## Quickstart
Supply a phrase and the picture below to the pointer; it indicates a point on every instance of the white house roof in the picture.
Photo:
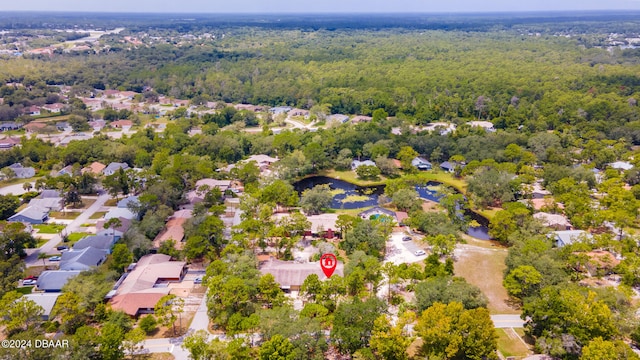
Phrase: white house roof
(568, 237)
(552, 219)
(621, 165)
(119, 213)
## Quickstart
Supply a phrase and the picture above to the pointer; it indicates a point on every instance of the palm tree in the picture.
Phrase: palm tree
(43, 256)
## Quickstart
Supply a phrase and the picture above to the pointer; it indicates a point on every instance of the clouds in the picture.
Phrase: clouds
(297, 6)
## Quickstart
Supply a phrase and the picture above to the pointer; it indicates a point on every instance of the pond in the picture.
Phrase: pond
(351, 196)
(346, 195)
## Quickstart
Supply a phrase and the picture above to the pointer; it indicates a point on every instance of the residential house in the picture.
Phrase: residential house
(254, 108)
(125, 224)
(338, 118)
(139, 292)
(83, 259)
(63, 126)
(32, 110)
(120, 213)
(102, 243)
(376, 212)
(22, 172)
(291, 275)
(31, 215)
(448, 166)
(621, 165)
(554, 221)
(97, 125)
(54, 280)
(95, 168)
(568, 237)
(486, 125)
(54, 108)
(421, 163)
(113, 167)
(9, 142)
(174, 229)
(112, 233)
(34, 126)
(320, 225)
(49, 204)
(5, 126)
(196, 195)
(299, 112)
(67, 170)
(360, 119)
(45, 300)
(280, 110)
(121, 124)
(49, 194)
(124, 203)
(357, 163)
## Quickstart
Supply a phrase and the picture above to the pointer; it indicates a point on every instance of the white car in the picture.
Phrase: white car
(419, 253)
(29, 282)
(55, 258)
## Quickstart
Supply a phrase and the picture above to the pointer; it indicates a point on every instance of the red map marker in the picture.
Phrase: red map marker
(328, 263)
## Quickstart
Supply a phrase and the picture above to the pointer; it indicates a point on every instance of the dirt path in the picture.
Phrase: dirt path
(484, 267)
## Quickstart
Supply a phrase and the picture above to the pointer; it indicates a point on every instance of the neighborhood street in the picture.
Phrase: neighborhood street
(49, 246)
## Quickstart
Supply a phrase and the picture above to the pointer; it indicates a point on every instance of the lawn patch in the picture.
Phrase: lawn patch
(73, 237)
(352, 177)
(111, 202)
(509, 344)
(67, 215)
(97, 215)
(25, 290)
(49, 228)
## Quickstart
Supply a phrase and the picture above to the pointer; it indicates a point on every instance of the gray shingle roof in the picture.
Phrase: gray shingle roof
(114, 166)
(54, 280)
(102, 242)
(81, 259)
(31, 212)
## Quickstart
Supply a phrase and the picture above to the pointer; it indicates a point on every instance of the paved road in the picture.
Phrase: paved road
(507, 321)
(49, 246)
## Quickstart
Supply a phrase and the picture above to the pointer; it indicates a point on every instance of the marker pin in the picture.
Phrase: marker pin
(328, 263)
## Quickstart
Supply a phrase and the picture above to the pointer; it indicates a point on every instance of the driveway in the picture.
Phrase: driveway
(16, 189)
(50, 246)
(402, 251)
(507, 321)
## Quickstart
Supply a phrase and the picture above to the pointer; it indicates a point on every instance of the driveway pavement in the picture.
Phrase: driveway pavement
(507, 321)
(16, 189)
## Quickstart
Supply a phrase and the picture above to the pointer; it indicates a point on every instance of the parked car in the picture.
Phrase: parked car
(407, 238)
(32, 277)
(198, 280)
(29, 282)
(62, 248)
(419, 253)
(55, 258)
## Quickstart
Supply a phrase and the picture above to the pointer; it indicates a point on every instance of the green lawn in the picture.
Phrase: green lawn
(97, 215)
(49, 228)
(68, 215)
(25, 290)
(73, 237)
(41, 242)
(510, 345)
(352, 177)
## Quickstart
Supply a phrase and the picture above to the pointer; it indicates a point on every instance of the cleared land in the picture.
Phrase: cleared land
(484, 268)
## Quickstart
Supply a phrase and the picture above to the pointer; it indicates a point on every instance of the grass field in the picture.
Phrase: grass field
(73, 237)
(484, 267)
(49, 228)
(352, 177)
(509, 344)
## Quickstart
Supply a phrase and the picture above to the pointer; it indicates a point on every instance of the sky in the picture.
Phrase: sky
(316, 6)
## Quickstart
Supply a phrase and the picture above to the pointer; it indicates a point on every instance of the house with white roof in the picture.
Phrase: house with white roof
(568, 237)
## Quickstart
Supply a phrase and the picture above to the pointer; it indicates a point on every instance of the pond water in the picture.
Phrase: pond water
(346, 195)
(351, 196)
